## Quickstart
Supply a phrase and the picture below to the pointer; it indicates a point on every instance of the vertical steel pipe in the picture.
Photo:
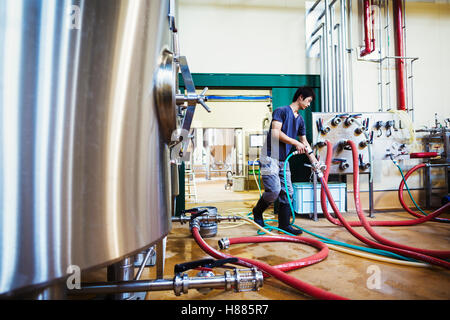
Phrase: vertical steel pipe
(340, 68)
(388, 72)
(332, 54)
(322, 68)
(343, 29)
(327, 59)
(121, 271)
(349, 23)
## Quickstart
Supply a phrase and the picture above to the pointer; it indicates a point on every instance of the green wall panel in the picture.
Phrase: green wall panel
(283, 88)
(238, 80)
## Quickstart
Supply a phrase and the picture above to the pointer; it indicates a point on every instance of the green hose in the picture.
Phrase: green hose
(407, 188)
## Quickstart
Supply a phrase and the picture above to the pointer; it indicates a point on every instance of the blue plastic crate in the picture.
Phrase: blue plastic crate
(303, 197)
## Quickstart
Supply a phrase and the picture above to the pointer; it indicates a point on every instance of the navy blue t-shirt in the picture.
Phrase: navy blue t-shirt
(291, 126)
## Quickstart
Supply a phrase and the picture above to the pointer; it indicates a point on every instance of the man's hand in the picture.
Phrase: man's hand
(301, 148)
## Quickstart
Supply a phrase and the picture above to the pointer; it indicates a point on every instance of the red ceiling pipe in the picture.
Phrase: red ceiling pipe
(400, 52)
(369, 39)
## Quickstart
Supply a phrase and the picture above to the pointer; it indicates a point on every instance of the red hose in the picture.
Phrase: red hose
(372, 223)
(402, 202)
(408, 253)
(321, 255)
(370, 230)
(423, 155)
(280, 275)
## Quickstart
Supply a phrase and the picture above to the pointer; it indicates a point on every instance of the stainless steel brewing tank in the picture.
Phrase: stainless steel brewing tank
(84, 171)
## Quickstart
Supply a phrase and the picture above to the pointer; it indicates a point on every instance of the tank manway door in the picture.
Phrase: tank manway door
(164, 94)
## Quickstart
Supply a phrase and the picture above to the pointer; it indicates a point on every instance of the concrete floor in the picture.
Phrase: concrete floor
(340, 273)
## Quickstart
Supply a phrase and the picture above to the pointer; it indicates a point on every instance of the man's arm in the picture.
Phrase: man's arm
(281, 136)
(317, 166)
(309, 153)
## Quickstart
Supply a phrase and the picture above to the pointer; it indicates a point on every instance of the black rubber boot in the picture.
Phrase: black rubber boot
(258, 211)
(284, 218)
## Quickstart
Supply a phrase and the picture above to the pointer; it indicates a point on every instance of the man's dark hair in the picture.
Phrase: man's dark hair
(305, 92)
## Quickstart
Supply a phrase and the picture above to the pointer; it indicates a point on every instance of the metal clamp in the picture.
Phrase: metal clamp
(244, 280)
(241, 280)
(180, 284)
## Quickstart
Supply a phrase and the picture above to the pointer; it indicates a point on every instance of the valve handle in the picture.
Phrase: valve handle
(202, 102)
(207, 263)
(204, 91)
(181, 267)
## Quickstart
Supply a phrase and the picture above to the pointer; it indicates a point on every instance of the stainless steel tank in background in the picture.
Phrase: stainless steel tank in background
(84, 166)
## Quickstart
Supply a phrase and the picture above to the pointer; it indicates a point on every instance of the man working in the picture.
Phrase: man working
(286, 125)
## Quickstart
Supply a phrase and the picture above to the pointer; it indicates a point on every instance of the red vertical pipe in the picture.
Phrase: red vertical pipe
(369, 40)
(399, 51)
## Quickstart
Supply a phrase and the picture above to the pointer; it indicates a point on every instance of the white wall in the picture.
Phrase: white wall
(268, 36)
(224, 36)
(428, 35)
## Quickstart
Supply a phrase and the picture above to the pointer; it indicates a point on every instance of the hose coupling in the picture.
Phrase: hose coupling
(224, 243)
(194, 223)
(349, 121)
(343, 144)
(335, 121)
(320, 144)
(240, 280)
(359, 130)
(325, 130)
(344, 165)
(244, 280)
(364, 166)
(319, 167)
(364, 143)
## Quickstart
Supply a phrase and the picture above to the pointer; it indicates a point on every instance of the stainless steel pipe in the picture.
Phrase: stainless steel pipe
(240, 280)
